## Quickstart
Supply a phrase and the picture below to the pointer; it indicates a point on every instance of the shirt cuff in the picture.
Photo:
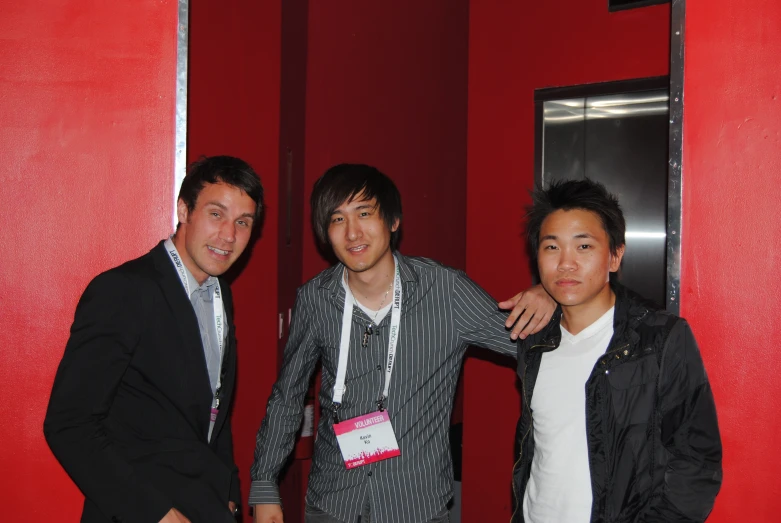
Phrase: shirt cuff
(264, 493)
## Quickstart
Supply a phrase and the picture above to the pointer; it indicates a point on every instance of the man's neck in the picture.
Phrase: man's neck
(370, 286)
(575, 318)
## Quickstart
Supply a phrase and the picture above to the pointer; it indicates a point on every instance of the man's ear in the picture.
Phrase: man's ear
(615, 259)
(396, 225)
(181, 211)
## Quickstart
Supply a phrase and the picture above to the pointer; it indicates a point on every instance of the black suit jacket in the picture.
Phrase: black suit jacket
(129, 412)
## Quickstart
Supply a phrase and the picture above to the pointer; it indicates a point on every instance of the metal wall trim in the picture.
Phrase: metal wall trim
(675, 168)
(180, 137)
(633, 85)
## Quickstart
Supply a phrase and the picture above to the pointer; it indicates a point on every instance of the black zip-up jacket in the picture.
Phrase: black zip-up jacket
(653, 438)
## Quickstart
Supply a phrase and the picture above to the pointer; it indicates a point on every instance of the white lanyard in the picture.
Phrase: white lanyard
(344, 347)
(217, 307)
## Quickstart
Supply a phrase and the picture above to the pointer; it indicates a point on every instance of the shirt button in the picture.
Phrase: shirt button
(379, 367)
(369, 473)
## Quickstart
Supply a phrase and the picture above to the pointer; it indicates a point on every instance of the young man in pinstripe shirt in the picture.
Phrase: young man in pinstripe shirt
(413, 320)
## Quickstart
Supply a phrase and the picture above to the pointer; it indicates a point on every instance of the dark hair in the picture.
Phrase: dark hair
(226, 169)
(343, 183)
(567, 195)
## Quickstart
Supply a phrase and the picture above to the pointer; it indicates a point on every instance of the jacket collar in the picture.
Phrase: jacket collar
(630, 309)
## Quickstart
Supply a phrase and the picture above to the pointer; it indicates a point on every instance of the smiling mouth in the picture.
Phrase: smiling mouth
(218, 251)
(359, 248)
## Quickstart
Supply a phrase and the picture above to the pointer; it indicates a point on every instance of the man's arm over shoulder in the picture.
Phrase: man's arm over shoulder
(689, 433)
(105, 332)
(478, 318)
(482, 323)
(285, 408)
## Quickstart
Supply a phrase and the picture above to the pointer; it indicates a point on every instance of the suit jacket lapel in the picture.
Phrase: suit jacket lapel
(187, 323)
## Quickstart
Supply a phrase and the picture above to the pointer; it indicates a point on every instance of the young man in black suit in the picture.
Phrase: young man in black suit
(138, 414)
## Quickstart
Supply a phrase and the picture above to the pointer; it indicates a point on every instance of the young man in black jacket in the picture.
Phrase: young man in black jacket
(618, 421)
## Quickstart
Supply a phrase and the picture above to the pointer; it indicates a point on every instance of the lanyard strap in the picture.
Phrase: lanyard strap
(344, 346)
(219, 311)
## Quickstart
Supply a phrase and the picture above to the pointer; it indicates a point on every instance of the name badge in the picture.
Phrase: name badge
(366, 439)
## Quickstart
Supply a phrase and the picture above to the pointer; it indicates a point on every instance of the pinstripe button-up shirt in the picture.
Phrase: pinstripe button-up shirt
(442, 313)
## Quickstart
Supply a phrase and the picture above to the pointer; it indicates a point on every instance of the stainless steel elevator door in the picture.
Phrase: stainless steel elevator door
(620, 140)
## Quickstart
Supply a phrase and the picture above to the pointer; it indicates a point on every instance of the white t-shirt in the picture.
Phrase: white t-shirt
(559, 489)
(375, 316)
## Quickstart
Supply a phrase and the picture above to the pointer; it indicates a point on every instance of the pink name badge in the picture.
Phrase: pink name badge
(366, 439)
(213, 416)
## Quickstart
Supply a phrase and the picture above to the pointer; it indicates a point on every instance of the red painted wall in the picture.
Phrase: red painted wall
(292, 121)
(732, 220)
(515, 48)
(386, 85)
(234, 109)
(86, 148)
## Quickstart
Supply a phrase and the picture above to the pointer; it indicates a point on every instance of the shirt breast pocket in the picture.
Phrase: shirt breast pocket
(633, 390)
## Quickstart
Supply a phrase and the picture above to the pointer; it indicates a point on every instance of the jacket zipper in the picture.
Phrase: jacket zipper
(523, 438)
(608, 475)
(616, 350)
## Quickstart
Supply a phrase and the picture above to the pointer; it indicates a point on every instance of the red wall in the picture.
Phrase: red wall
(732, 221)
(234, 109)
(386, 85)
(86, 142)
(515, 48)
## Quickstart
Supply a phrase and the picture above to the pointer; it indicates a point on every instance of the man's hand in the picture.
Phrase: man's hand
(531, 311)
(268, 514)
(232, 507)
(174, 516)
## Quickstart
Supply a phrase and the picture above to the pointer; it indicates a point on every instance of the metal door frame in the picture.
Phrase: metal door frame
(675, 160)
(180, 124)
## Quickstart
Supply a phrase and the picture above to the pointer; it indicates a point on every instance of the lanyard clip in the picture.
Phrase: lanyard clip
(336, 414)
(381, 404)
